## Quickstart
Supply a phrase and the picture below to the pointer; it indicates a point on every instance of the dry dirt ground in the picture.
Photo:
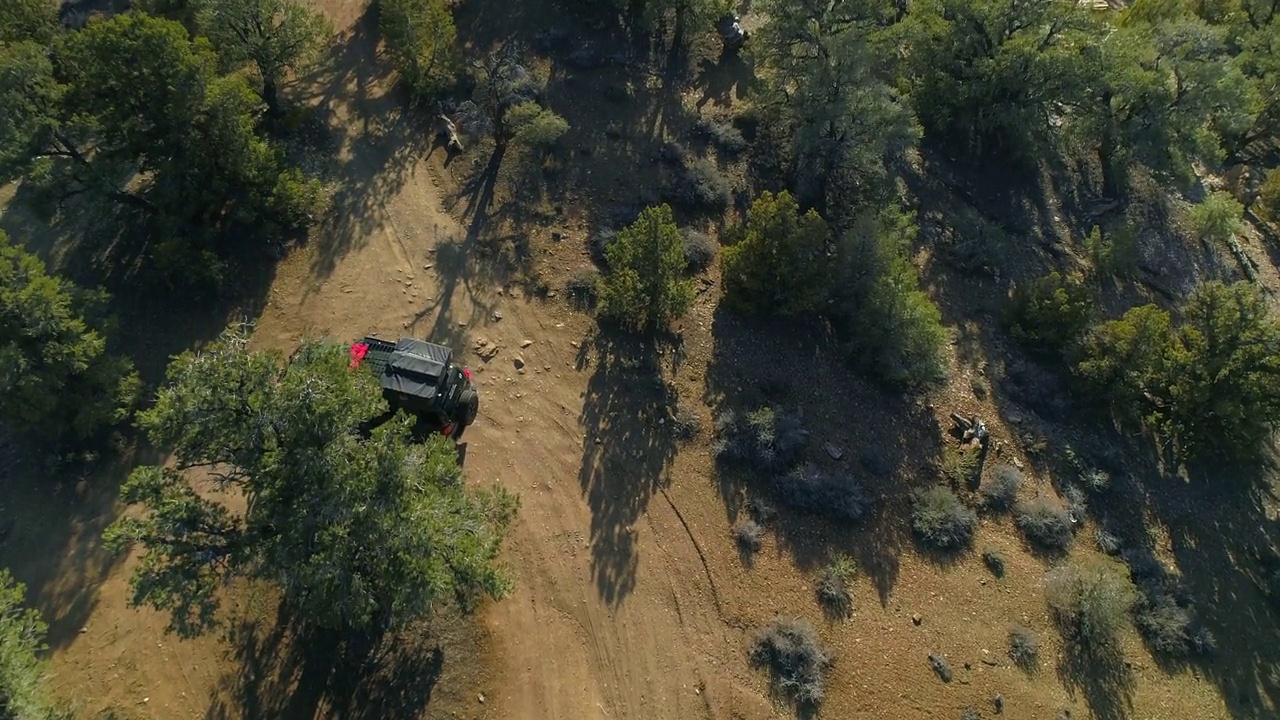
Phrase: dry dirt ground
(632, 600)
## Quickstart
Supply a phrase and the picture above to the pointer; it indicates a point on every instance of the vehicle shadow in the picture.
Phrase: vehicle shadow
(628, 445)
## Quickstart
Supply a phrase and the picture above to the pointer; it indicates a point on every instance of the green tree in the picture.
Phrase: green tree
(645, 285)
(422, 42)
(59, 381)
(1218, 219)
(1269, 196)
(994, 76)
(133, 110)
(826, 89)
(1210, 383)
(1051, 313)
(1165, 94)
(22, 632)
(362, 531)
(23, 20)
(505, 104)
(893, 329)
(779, 262)
(277, 36)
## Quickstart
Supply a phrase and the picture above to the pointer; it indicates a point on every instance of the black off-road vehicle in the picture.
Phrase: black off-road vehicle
(422, 379)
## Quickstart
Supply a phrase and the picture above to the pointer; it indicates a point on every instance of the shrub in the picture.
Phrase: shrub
(749, 535)
(421, 41)
(699, 251)
(1051, 313)
(1045, 523)
(1164, 625)
(1113, 250)
(994, 560)
(1218, 219)
(697, 185)
(22, 691)
(809, 488)
(1269, 196)
(764, 439)
(583, 288)
(960, 465)
(685, 423)
(796, 660)
(892, 328)
(761, 510)
(940, 519)
(645, 286)
(1002, 490)
(1024, 648)
(1090, 603)
(833, 586)
(534, 126)
(725, 137)
(779, 262)
(1107, 542)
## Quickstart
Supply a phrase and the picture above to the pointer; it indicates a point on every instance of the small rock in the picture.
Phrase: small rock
(428, 266)
(998, 702)
(940, 666)
(1018, 463)
(967, 666)
(480, 697)
(525, 343)
(916, 619)
(519, 362)
(835, 452)
(556, 235)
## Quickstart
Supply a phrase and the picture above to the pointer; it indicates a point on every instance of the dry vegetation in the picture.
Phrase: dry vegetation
(705, 443)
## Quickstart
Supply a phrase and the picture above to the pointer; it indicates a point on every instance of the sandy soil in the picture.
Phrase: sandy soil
(632, 600)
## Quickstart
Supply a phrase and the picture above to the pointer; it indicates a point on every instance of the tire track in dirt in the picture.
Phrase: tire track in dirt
(563, 651)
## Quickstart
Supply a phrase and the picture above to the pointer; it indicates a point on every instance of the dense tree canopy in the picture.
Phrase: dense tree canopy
(362, 531)
(422, 42)
(133, 110)
(58, 381)
(1209, 382)
(994, 75)
(824, 83)
(275, 35)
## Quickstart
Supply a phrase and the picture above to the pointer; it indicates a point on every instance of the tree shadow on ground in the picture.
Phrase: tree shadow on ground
(628, 446)
(1222, 560)
(51, 536)
(619, 89)
(287, 672)
(380, 138)
(1102, 676)
(799, 369)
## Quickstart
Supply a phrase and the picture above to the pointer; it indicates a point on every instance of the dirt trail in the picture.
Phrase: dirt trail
(606, 622)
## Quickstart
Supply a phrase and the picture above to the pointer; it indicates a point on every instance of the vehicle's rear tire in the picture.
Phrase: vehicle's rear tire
(469, 406)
